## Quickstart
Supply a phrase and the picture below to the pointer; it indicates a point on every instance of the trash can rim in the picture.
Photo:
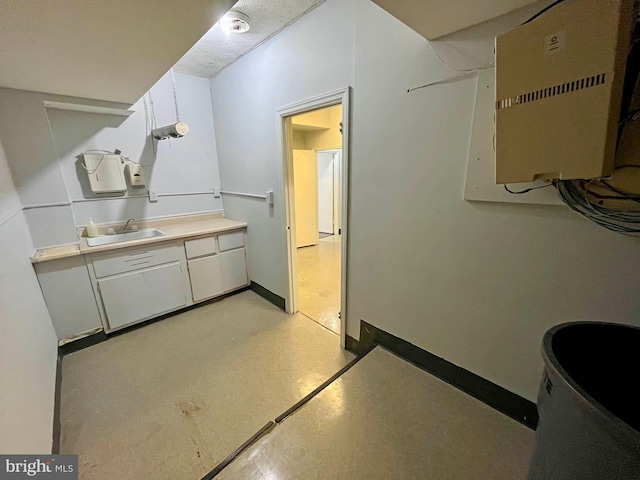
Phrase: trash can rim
(620, 427)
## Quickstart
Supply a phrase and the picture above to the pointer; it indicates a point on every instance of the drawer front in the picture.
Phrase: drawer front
(133, 259)
(229, 241)
(200, 247)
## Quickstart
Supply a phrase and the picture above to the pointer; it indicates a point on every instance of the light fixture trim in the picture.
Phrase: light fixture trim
(235, 22)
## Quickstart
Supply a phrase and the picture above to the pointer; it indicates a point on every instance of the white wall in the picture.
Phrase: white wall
(42, 146)
(477, 284)
(28, 344)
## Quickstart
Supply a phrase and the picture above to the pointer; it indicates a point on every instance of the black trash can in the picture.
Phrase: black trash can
(589, 404)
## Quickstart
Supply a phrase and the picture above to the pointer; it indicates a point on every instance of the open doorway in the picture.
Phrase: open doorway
(315, 170)
(317, 143)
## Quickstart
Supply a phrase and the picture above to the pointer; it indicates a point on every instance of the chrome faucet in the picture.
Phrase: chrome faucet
(125, 228)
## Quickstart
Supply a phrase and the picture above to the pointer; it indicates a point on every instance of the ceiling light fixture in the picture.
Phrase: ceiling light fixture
(234, 22)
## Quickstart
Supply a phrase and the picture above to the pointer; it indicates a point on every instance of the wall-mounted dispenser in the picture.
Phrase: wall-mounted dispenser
(136, 175)
(105, 172)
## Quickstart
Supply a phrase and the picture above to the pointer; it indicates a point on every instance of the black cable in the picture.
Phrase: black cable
(527, 190)
(548, 7)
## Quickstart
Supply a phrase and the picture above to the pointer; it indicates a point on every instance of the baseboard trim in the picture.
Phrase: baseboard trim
(352, 345)
(57, 425)
(268, 295)
(101, 336)
(501, 399)
(82, 343)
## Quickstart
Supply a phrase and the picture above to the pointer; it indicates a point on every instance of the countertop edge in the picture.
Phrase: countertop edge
(76, 249)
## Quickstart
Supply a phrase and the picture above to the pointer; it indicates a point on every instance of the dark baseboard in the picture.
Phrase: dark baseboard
(268, 295)
(352, 345)
(101, 336)
(57, 426)
(82, 343)
(509, 403)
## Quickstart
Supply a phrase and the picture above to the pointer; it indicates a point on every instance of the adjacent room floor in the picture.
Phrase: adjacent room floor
(174, 398)
(387, 419)
(319, 282)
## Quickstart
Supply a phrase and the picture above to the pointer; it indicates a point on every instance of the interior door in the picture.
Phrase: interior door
(305, 186)
(337, 192)
(325, 192)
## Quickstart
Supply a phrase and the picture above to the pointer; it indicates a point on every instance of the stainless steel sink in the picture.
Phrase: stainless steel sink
(124, 237)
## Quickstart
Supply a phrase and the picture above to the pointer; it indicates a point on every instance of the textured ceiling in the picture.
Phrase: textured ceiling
(216, 50)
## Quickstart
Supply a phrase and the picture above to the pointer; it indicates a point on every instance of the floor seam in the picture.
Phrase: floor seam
(272, 424)
(315, 321)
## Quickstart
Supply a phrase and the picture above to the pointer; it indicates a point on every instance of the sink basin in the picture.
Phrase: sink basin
(124, 237)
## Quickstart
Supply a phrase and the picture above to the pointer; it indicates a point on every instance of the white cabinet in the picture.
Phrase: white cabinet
(229, 241)
(206, 277)
(124, 299)
(164, 288)
(70, 300)
(217, 264)
(136, 284)
(135, 296)
(234, 269)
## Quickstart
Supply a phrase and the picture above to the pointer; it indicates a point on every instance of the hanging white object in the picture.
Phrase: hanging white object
(105, 172)
(176, 130)
(136, 175)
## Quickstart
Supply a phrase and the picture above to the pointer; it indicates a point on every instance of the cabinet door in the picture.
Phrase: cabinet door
(206, 277)
(234, 269)
(125, 299)
(164, 288)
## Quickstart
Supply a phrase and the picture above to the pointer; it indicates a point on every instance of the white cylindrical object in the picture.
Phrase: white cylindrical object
(176, 130)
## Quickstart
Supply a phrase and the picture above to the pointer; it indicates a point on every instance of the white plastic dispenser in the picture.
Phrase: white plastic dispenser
(136, 175)
(92, 229)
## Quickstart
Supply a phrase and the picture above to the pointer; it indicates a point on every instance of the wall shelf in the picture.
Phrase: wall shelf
(79, 107)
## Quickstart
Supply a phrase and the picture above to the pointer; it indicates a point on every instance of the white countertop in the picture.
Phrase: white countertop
(173, 228)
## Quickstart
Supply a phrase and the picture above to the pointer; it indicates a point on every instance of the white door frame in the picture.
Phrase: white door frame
(285, 139)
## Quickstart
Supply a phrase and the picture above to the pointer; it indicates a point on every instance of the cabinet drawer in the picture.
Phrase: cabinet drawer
(200, 247)
(229, 241)
(133, 259)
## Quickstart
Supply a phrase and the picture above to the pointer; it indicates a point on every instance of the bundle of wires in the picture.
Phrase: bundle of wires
(624, 222)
